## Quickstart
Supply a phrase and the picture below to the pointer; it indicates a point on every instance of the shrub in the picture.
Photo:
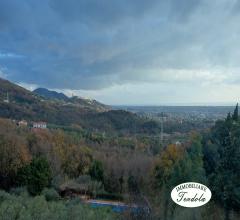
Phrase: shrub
(4, 196)
(95, 188)
(83, 179)
(18, 191)
(28, 208)
(50, 194)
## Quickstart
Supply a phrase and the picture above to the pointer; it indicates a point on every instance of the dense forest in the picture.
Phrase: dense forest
(53, 164)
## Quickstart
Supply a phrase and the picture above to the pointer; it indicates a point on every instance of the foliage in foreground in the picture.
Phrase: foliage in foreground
(222, 162)
(35, 175)
(23, 207)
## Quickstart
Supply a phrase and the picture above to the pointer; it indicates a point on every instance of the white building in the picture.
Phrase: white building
(41, 125)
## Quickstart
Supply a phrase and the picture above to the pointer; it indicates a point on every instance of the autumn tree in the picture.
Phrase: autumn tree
(13, 155)
(176, 165)
(74, 159)
(164, 164)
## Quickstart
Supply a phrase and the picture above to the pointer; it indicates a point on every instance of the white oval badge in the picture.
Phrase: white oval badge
(191, 194)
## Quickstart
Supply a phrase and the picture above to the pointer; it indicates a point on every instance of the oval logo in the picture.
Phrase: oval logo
(191, 194)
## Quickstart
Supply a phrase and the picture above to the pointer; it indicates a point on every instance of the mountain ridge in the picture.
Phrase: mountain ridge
(24, 104)
(75, 100)
(51, 94)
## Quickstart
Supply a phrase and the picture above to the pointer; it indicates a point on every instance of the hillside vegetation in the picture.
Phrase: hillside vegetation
(19, 205)
(88, 114)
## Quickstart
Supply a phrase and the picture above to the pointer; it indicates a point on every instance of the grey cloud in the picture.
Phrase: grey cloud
(101, 12)
(92, 44)
(113, 11)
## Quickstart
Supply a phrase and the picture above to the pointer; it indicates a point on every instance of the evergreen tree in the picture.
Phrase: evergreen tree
(132, 184)
(111, 183)
(226, 176)
(36, 175)
(235, 114)
(96, 171)
(229, 117)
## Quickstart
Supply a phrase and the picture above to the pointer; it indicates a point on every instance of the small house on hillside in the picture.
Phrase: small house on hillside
(41, 125)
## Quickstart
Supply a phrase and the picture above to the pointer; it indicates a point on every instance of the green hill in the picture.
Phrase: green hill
(80, 102)
(88, 114)
(50, 94)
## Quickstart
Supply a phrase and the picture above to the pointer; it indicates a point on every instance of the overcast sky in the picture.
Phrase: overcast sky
(145, 52)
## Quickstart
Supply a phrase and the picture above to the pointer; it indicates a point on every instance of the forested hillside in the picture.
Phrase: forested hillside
(91, 115)
(69, 162)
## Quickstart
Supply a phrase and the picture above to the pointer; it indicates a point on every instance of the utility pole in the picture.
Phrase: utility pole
(7, 99)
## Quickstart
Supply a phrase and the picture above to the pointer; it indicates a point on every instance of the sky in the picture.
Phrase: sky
(128, 52)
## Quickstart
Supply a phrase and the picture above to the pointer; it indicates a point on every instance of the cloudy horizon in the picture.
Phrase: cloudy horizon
(135, 52)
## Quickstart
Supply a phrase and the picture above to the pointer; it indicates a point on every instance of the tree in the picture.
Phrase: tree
(195, 154)
(96, 171)
(225, 180)
(235, 113)
(178, 164)
(111, 182)
(13, 155)
(121, 181)
(74, 160)
(222, 158)
(132, 184)
(229, 117)
(164, 165)
(36, 175)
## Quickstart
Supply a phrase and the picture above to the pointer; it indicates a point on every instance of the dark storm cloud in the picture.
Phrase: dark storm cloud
(92, 44)
(105, 11)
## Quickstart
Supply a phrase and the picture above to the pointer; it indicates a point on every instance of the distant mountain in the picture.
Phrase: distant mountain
(19, 95)
(89, 114)
(50, 94)
(77, 101)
